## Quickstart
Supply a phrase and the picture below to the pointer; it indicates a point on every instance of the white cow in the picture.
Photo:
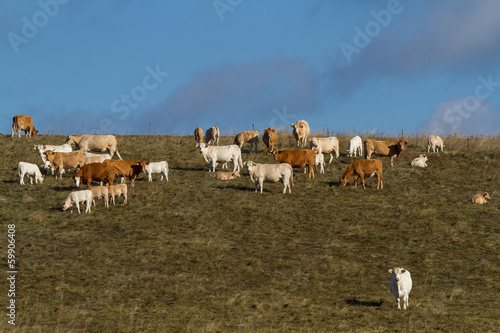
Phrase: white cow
(400, 285)
(434, 142)
(419, 161)
(355, 147)
(320, 160)
(157, 167)
(272, 173)
(31, 170)
(221, 154)
(74, 199)
(326, 145)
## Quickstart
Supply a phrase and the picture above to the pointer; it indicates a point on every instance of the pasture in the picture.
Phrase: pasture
(198, 255)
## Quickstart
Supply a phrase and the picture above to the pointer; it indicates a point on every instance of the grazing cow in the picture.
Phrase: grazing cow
(270, 138)
(212, 135)
(59, 161)
(355, 147)
(297, 159)
(98, 172)
(23, 123)
(117, 190)
(434, 142)
(128, 168)
(74, 199)
(198, 135)
(157, 167)
(31, 170)
(272, 173)
(400, 285)
(227, 175)
(320, 160)
(100, 192)
(222, 154)
(362, 168)
(251, 137)
(300, 132)
(326, 146)
(94, 143)
(481, 198)
(419, 161)
(391, 149)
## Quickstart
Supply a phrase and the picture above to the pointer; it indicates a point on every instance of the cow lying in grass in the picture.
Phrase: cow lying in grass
(227, 175)
(419, 161)
(361, 169)
(74, 199)
(481, 198)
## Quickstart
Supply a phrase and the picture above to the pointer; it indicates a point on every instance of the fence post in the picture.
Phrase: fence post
(468, 144)
(327, 132)
(253, 128)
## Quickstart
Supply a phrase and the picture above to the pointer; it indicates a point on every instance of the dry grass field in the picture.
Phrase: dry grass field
(197, 255)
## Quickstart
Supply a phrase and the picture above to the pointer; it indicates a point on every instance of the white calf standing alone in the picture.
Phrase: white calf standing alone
(31, 170)
(272, 173)
(157, 167)
(419, 161)
(355, 147)
(434, 143)
(222, 154)
(74, 199)
(400, 285)
(100, 192)
(117, 190)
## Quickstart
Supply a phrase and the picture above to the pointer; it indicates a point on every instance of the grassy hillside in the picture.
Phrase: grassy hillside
(197, 255)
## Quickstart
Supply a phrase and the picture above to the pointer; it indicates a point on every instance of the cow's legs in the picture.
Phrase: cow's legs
(331, 157)
(77, 204)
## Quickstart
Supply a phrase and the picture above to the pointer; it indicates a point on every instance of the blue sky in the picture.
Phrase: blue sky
(129, 67)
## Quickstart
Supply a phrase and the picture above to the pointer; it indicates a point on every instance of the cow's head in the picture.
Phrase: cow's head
(342, 181)
(235, 174)
(396, 272)
(269, 130)
(402, 143)
(202, 147)
(249, 165)
(143, 164)
(313, 143)
(35, 132)
(70, 140)
(77, 180)
(486, 195)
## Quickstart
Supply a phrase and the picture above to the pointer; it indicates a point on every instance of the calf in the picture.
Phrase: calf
(74, 199)
(99, 172)
(434, 142)
(260, 173)
(384, 148)
(98, 192)
(157, 167)
(419, 161)
(117, 190)
(31, 170)
(270, 138)
(251, 137)
(326, 145)
(400, 285)
(297, 159)
(227, 175)
(355, 147)
(222, 154)
(362, 168)
(481, 198)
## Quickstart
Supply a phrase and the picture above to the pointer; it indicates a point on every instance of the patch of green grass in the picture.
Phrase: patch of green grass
(194, 254)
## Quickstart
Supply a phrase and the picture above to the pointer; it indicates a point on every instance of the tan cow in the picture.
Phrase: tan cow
(98, 172)
(251, 137)
(326, 146)
(481, 198)
(59, 161)
(434, 143)
(227, 175)
(300, 132)
(23, 123)
(360, 169)
(297, 159)
(384, 148)
(117, 190)
(100, 192)
(198, 135)
(94, 143)
(212, 135)
(128, 168)
(270, 138)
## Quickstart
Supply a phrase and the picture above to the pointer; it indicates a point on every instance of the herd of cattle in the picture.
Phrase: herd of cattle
(102, 168)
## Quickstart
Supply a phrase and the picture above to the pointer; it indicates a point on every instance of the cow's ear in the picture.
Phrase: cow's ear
(391, 271)
(291, 125)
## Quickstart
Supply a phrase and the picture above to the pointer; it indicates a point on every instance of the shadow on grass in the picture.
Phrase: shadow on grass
(355, 302)
(66, 188)
(190, 169)
(11, 181)
(237, 187)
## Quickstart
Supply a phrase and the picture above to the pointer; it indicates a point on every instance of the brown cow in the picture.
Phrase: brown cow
(198, 135)
(128, 168)
(481, 198)
(23, 123)
(59, 161)
(251, 136)
(297, 159)
(362, 168)
(270, 138)
(98, 172)
(384, 148)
